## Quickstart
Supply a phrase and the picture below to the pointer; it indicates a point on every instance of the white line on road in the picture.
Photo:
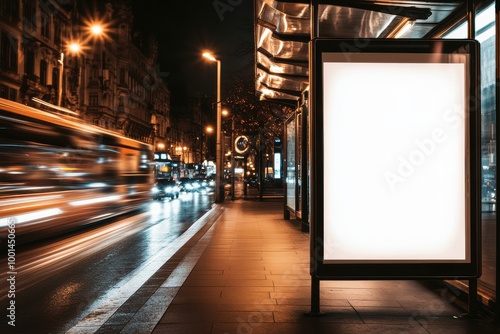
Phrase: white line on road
(117, 296)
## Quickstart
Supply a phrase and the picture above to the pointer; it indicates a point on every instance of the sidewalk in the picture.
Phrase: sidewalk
(247, 272)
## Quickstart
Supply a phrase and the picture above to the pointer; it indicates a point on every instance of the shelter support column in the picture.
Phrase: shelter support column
(497, 63)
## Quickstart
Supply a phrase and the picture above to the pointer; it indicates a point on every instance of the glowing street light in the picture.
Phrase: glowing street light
(219, 179)
(74, 47)
(96, 29)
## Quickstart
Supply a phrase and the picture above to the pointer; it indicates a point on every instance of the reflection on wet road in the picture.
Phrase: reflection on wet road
(59, 281)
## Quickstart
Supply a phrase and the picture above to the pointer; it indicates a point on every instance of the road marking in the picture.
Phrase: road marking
(108, 304)
(146, 319)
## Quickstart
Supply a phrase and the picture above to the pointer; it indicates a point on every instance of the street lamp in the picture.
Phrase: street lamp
(95, 30)
(205, 152)
(219, 179)
(59, 95)
(227, 114)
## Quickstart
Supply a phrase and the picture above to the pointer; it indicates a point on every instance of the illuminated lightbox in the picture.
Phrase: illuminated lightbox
(395, 124)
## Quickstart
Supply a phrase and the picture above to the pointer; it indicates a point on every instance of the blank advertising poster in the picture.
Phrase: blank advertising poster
(397, 161)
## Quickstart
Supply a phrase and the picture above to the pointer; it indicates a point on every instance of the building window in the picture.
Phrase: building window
(29, 14)
(55, 78)
(43, 72)
(45, 17)
(57, 31)
(93, 100)
(9, 10)
(29, 63)
(4, 91)
(122, 34)
(8, 93)
(94, 73)
(122, 77)
(8, 52)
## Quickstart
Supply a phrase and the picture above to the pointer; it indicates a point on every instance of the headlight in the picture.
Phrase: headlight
(154, 190)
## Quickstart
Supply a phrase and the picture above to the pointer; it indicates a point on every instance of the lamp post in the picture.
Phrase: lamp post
(219, 179)
(225, 113)
(59, 95)
(73, 48)
(232, 159)
(205, 152)
(95, 30)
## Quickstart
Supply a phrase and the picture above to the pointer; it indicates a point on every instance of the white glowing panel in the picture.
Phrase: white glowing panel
(277, 165)
(395, 142)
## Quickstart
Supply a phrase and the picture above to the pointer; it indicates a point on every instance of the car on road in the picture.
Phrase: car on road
(165, 188)
(188, 184)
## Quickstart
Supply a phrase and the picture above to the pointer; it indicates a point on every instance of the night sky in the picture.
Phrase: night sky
(185, 28)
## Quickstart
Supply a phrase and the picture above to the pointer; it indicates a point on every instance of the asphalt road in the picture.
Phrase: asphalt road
(58, 281)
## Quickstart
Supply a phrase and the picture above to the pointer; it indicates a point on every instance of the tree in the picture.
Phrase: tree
(251, 116)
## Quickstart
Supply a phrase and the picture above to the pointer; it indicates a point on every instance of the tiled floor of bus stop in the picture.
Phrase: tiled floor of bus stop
(248, 272)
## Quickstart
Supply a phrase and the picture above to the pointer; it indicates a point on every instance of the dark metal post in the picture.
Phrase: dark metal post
(497, 63)
(232, 158)
(473, 303)
(315, 281)
(471, 32)
(219, 181)
(245, 189)
(471, 19)
(315, 300)
(261, 165)
(305, 167)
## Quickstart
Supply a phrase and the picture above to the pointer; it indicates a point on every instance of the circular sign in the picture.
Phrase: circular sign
(241, 144)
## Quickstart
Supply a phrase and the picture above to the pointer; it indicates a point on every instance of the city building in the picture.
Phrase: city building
(50, 52)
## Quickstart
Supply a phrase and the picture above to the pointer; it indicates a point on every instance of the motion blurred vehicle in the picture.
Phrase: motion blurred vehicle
(165, 188)
(188, 184)
(198, 184)
(207, 184)
(58, 173)
(211, 182)
(201, 185)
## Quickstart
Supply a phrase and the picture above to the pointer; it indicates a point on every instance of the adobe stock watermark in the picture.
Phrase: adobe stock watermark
(11, 272)
(435, 308)
(223, 6)
(423, 149)
(408, 164)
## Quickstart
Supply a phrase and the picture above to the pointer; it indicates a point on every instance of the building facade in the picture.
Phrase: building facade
(112, 81)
